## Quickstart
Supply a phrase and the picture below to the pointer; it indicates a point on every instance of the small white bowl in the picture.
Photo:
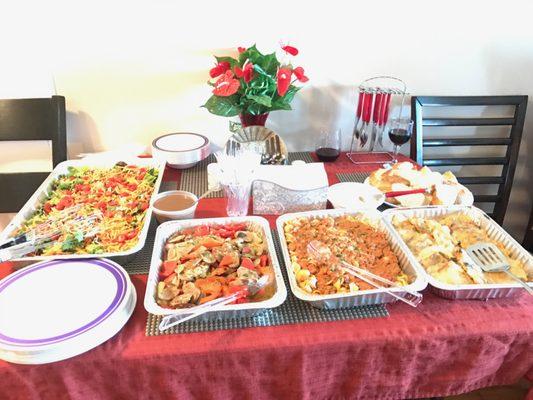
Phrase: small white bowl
(351, 195)
(163, 216)
(181, 150)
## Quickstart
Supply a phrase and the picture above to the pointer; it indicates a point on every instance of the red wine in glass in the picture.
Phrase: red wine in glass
(399, 136)
(327, 154)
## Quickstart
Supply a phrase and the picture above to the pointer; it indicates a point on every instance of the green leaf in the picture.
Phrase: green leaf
(283, 103)
(256, 109)
(71, 242)
(268, 63)
(223, 106)
(261, 99)
(280, 106)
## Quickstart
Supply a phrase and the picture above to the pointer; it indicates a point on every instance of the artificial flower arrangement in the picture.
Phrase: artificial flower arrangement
(253, 84)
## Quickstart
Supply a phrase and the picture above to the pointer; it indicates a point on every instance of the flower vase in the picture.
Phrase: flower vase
(249, 119)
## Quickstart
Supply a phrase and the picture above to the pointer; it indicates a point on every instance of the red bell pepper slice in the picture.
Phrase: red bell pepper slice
(247, 263)
(168, 268)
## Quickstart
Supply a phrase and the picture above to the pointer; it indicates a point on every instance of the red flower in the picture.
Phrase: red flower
(284, 80)
(239, 73)
(219, 69)
(226, 85)
(241, 49)
(300, 74)
(293, 51)
(247, 73)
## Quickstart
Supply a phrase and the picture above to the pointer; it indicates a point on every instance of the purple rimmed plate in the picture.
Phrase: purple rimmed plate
(62, 302)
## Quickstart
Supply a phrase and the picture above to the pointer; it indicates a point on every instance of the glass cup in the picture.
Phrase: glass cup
(400, 131)
(328, 147)
(238, 195)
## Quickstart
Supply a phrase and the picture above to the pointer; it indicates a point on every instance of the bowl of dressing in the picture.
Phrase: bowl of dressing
(173, 205)
(181, 150)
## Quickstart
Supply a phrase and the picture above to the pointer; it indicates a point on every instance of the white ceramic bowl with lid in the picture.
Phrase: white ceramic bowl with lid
(181, 150)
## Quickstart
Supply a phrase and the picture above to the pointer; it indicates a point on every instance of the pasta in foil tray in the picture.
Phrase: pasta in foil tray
(349, 238)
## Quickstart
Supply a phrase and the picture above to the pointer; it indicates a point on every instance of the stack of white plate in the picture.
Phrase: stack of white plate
(58, 309)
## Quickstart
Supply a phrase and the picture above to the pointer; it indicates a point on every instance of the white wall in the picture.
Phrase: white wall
(131, 72)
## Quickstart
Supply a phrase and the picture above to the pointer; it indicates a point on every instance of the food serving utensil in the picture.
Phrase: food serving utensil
(44, 234)
(399, 193)
(248, 290)
(490, 258)
(321, 252)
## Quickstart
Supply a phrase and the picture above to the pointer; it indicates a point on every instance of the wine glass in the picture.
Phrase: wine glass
(328, 147)
(400, 131)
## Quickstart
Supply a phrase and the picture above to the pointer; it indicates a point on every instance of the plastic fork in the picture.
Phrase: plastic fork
(251, 289)
(489, 257)
(321, 252)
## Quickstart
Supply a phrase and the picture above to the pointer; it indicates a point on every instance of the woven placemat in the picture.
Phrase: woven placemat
(353, 176)
(139, 263)
(292, 311)
(301, 155)
(194, 179)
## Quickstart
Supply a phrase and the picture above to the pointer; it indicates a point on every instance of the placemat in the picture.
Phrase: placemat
(301, 155)
(353, 176)
(292, 311)
(195, 179)
(139, 263)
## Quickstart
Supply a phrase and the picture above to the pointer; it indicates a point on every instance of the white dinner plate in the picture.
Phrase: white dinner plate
(58, 309)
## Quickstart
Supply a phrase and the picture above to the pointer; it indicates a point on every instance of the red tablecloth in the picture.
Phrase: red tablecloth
(443, 347)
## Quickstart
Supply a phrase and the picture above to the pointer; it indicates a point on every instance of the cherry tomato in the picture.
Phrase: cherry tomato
(121, 238)
(130, 235)
(47, 207)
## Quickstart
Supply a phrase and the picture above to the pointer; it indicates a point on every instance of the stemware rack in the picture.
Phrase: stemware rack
(372, 115)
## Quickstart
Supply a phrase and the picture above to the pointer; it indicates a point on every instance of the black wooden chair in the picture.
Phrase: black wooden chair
(528, 237)
(512, 142)
(30, 119)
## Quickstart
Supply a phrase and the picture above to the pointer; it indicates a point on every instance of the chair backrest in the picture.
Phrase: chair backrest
(31, 119)
(528, 237)
(511, 141)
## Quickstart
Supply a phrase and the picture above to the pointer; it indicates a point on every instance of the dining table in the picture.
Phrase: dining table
(442, 347)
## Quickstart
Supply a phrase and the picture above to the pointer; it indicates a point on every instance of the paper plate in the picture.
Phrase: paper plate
(58, 309)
